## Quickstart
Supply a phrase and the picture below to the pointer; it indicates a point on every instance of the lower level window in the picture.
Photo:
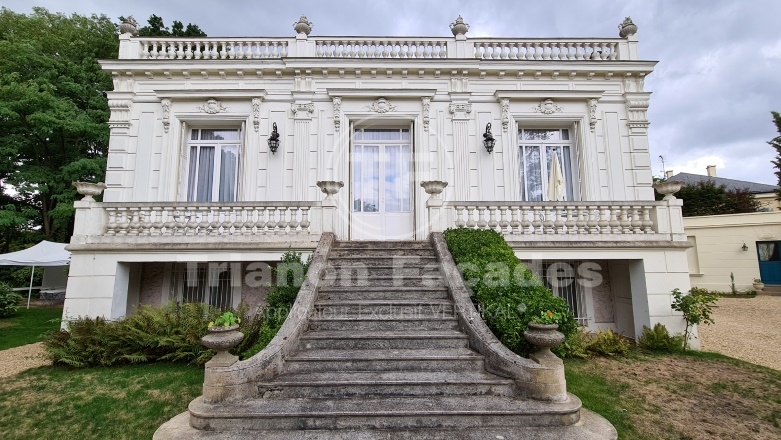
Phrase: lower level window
(209, 283)
(561, 277)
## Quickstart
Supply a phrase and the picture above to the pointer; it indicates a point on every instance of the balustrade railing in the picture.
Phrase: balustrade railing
(213, 219)
(557, 218)
(581, 50)
(380, 48)
(211, 48)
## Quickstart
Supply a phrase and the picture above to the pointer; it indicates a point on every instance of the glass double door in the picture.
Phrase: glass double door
(381, 190)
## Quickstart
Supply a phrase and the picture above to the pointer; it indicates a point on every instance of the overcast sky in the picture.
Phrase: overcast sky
(718, 77)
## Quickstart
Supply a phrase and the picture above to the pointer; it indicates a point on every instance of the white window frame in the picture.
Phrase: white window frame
(190, 194)
(570, 178)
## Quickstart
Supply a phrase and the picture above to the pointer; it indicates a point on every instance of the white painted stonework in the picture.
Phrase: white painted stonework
(421, 106)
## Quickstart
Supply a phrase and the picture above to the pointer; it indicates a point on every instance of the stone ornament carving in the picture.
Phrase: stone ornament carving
(460, 108)
(337, 113)
(381, 105)
(129, 26)
(256, 113)
(505, 102)
(459, 27)
(302, 109)
(166, 104)
(212, 107)
(637, 113)
(547, 107)
(627, 28)
(426, 110)
(120, 113)
(592, 109)
(303, 25)
(89, 190)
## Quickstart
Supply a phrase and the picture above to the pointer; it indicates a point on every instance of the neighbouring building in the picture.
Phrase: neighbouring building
(221, 150)
(745, 246)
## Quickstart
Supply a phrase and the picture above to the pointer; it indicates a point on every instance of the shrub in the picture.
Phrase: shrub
(608, 343)
(504, 290)
(696, 310)
(659, 339)
(576, 345)
(9, 301)
(153, 334)
(281, 298)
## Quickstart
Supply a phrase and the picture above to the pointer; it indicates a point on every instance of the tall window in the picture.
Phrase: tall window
(540, 178)
(381, 170)
(213, 165)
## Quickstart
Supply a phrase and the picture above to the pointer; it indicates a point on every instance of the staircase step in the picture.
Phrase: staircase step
(395, 324)
(339, 384)
(379, 340)
(386, 281)
(384, 309)
(350, 293)
(359, 270)
(384, 260)
(383, 360)
(418, 412)
(385, 245)
(337, 253)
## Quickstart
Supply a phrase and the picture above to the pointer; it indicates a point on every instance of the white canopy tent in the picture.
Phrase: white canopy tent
(43, 254)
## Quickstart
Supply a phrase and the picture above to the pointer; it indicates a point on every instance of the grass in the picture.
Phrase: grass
(28, 326)
(128, 402)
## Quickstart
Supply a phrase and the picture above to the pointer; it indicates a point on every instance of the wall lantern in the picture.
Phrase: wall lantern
(273, 140)
(488, 139)
(744, 247)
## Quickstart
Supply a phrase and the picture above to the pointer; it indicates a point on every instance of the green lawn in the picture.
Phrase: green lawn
(128, 402)
(28, 326)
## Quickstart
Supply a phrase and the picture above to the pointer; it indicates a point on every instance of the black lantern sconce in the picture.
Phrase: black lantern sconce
(273, 140)
(488, 139)
(744, 247)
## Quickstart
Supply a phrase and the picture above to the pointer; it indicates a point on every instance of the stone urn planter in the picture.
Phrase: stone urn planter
(330, 187)
(303, 25)
(89, 190)
(129, 26)
(434, 188)
(222, 339)
(544, 337)
(758, 285)
(627, 28)
(668, 189)
(458, 27)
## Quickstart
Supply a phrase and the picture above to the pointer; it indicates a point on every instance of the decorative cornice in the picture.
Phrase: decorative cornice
(560, 95)
(547, 107)
(337, 100)
(380, 92)
(426, 101)
(212, 107)
(381, 105)
(166, 104)
(256, 113)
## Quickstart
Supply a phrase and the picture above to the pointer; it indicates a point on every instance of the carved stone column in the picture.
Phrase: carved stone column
(461, 112)
(302, 111)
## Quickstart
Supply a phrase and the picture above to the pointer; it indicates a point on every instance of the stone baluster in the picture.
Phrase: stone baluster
(283, 222)
(122, 221)
(111, 224)
(238, 221)
(560, 219)
(637, 222)
(191, 225)
(135, 225)
(144, 222)
(548, 222)
(582, 221)
(592, 220)
(225, 223)
(481, 222)
(155, 221)
(504, 222)
(293, 224)
(181, 222)
(537, 221)
(572, 217)
(626, 221)
(470, 222)
(526, 223)
(515, 223)
(648, 224)
(305, 219)
(201, 220)
(604, 220)
(249, 220)
(615, 220)
(460, 223)
(492, 223)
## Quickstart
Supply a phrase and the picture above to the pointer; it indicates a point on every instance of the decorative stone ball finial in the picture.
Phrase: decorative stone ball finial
(459, 27)
(129, 26)
(303, 26)
(627, 28)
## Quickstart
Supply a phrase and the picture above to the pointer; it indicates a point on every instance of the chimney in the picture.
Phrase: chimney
(711, 170)
(668, 173)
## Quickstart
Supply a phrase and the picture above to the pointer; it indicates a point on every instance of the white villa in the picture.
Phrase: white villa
(234, 150)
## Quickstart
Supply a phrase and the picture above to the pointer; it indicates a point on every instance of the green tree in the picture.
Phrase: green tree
(776, 144)
(156, 28)
(53, 115)
(706, 198)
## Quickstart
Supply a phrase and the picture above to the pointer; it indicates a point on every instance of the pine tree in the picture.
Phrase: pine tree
(776, 143)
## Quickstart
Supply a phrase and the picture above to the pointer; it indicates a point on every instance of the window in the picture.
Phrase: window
(381, 170)
(209, 283)
(213, 165)
(538, 173)
(564, 280)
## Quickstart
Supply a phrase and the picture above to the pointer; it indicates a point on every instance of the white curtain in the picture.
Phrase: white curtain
(766, 251)
(229, 167)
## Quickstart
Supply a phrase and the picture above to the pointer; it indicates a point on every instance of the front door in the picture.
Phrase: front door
(381, 190)
(769, 261)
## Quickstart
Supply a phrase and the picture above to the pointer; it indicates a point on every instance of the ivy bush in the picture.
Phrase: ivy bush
(504, 290)
(153, 334)
(9, 301)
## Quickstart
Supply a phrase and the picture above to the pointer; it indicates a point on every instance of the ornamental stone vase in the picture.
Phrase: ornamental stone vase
(758, 286)
(222, 339)
(458, 27)
(627, 28)
(303, 25)
(330, 187)
(89, 190)
(544, 337)
(668, 188)
(129, 26)
(434, 188)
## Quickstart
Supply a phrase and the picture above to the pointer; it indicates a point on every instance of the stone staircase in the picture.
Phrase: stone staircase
(383, 357)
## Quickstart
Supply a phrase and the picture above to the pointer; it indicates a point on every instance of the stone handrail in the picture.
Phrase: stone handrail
(189, 218)
(557, 220)
(549, 49)
(381, 48)
(533, 380)
(235, 382)
(526, 49)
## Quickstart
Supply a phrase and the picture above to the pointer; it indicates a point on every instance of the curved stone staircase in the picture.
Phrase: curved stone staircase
(384, 357)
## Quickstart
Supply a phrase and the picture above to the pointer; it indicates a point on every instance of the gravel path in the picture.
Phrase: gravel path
(747, 329)
(17, 359)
